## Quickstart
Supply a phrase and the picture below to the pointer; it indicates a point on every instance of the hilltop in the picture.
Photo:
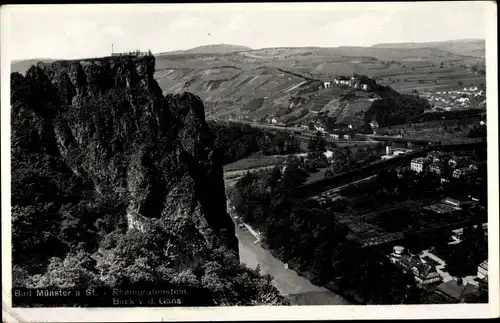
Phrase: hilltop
(466, 47)
(242, 83)
(209, 49)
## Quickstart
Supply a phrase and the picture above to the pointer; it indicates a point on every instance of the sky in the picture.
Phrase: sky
(78, 31)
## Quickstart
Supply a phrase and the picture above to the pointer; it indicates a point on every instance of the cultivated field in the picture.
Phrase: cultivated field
(244, 84)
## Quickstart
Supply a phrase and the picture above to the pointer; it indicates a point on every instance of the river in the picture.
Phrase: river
(287, 281)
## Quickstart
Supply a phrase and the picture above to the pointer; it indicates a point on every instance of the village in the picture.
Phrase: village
(466, 98)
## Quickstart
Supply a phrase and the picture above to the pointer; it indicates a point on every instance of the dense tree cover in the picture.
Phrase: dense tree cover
(446, 115)
(317, 143)
(478, 132)
(237, 141)
(66, 232)
(396, 109)
(365, 128)
(315, 160)
(344, 160)
(310, 240)
(388, 188)
(463, 258)
(280, 143)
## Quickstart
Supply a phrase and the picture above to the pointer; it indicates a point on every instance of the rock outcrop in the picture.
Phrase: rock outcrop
(112, 126)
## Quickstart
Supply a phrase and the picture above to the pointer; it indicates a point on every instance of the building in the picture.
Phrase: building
(419, 164)
(320, 128)
(364, 87)
(327, 84)
(453, 202)
(434, 156)
(482, 269)
(424, 273)
(462, 173)
(274, 121)
(347, 136)
(436, 168)
(396, 254)
(328, 154)
(374, 124)
(335, 135)
(137, 53)
(457, 162)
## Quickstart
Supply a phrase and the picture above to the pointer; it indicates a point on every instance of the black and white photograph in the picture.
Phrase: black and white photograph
(241, 158)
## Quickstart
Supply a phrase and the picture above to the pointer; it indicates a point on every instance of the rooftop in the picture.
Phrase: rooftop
(484, 264)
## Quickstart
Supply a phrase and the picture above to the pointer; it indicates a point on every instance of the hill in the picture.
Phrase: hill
(255, 84)
(209, 49)
(466, 47)
(21, 66)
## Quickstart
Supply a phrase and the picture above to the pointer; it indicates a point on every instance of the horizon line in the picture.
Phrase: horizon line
(261, 48)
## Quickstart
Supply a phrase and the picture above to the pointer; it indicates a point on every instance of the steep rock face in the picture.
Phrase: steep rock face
(113, 128)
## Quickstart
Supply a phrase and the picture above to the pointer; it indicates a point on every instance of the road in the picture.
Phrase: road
(287, 281)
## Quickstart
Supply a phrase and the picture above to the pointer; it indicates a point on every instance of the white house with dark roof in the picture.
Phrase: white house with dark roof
(482, 269)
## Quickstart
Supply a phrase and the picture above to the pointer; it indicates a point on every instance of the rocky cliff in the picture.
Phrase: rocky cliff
(112, 181)
(115, 128)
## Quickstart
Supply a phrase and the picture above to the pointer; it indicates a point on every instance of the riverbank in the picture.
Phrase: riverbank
(289, 283)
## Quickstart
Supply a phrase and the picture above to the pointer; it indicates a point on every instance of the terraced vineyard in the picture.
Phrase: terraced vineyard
(246, 84)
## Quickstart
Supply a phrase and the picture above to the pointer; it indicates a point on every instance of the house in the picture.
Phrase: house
(320, 128)
(434, 156)
(455, 203)
(374, 124)
(482, 269)
(335, 135)
(347, 136)
(388, 150)
(274, 121)
(397, 252)
(424, 273)
(364, 87)
(327, 85)
(436, 168)
(473, 168)
(452, 163)
(456, 235)
(343, 80)
(450, 201)
(328, 154)
(419, 164)
(463, 172)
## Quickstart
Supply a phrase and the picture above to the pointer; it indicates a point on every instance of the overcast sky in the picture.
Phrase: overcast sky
(75, 31)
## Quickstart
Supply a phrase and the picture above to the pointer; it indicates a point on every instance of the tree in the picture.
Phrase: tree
(317, 142)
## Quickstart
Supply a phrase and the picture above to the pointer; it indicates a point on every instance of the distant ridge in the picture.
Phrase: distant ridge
(210, 49)
(467, 47)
